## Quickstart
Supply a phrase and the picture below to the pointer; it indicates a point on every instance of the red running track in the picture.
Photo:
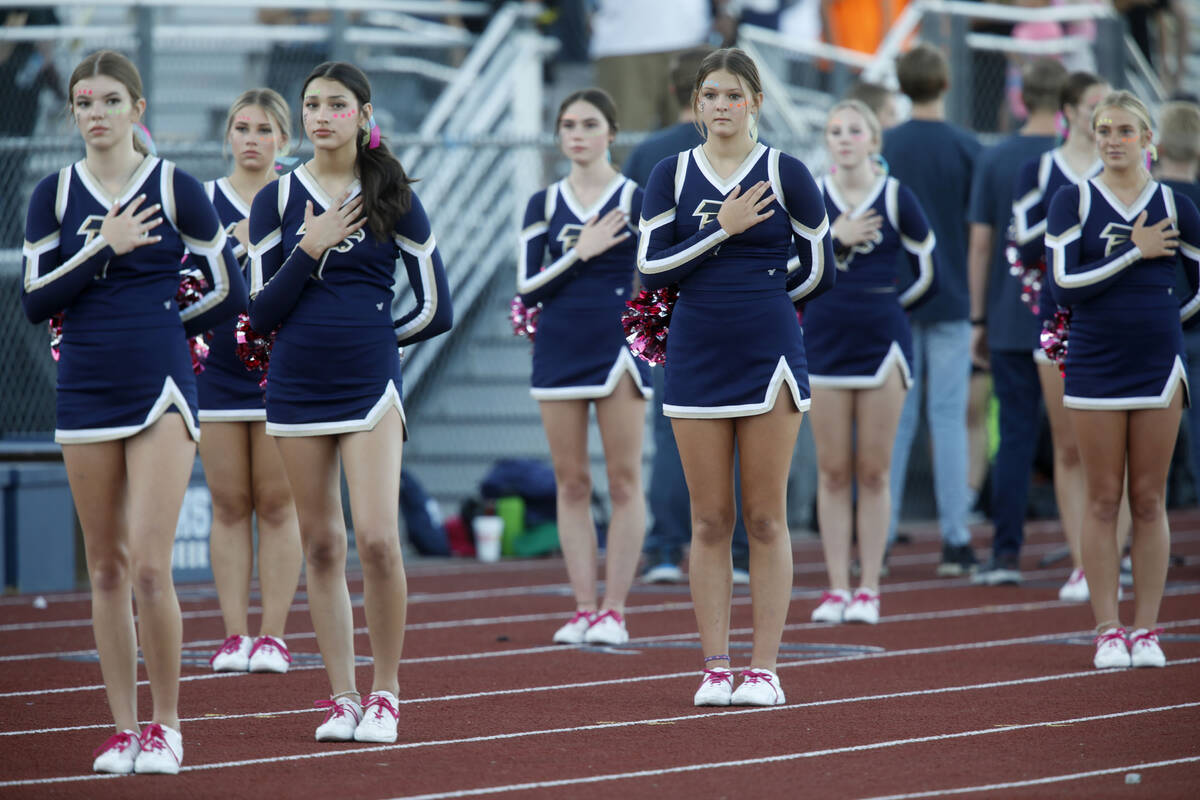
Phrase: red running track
(959, 691)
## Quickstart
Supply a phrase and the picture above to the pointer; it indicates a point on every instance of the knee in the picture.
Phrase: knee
(378, 551)
(1105, 504)
(1146, 504)
(273, 505)
(110, 574)
(1068, 457)
(762, 527)
(836, 477)
(623, 488)
(575, 489)
(324, 550)
(712, 526)
(233, 506)
(871, 475)
(150, 579)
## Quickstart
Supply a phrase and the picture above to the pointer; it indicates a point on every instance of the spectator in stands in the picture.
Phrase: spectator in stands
(581, 358)
(1003, 332)
(1139, 14)
(241, 463)
(880, 99)
(856, 24)
(1179, 167)
(668, 495)
(632, 47)
(935, 160)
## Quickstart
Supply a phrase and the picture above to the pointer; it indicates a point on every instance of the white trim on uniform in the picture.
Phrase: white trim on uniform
(584, 214)
(815, 237)
(1021, 206)
(96, 188)
(315, 191)
(34, 252)
(1128, 213)
(387, 401)
(863, 207)
(727, 186)
(423, 252)
(233, 415)
(170, 396)
(232, 196)
(623, 363)
(893, 358)
(782, 375)
(1177, 378)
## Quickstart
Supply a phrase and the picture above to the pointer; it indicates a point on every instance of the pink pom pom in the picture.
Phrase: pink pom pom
(254, 348)
(1031, 277)
(56, 332)
(524, 320)
(646, 323)
(1054, 338)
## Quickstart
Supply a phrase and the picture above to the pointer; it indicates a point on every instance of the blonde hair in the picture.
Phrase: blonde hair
(1126, 101)
(1179, 131)
(277, 111)
(867, 114)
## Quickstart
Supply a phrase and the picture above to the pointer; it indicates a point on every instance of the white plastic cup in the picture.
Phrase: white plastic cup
(488, 530)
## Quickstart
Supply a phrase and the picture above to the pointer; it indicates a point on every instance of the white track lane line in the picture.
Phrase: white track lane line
(1074, 776)
(617, 776)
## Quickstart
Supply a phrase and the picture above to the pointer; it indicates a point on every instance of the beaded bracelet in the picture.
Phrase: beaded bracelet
(723, 657)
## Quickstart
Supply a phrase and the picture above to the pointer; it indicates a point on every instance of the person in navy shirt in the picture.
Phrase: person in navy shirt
(935, 160)
(344, 263)
(1003, 332)
(241, 463)
(103, 242)
(668, 498)
(1114, 242)
(580, 357)
(1040, 178)
(860, 373)
(718, 221)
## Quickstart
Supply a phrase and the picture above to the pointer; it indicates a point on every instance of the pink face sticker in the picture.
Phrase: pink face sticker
(243, 119)
(81, 92)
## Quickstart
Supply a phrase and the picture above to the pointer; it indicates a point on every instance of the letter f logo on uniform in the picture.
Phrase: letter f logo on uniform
(707, 211)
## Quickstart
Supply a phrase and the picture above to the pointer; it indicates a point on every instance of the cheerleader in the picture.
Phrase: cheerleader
(580, 356)
(103, 242)
(241, 463)
(344, 263)
(1112, 242)
(860, 373)
(718, 220)
(1040, 178)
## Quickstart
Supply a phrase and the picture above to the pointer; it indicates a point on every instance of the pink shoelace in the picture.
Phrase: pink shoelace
(380, 703)
(759, 676)
(154, 739)
(865, 597)
(828, 596)
(335, 708)
(1109, 637)
(118, 740)
(584, 615)
(228, 647)
(716, 677)
(610, 613)
(266, 642)
(1151, 635)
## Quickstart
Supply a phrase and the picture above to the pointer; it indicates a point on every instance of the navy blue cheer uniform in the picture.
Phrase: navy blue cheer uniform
(1038, 181)
(334, 366)
(734, 338)
(228, 391)
(580, 350)
(857, 334)
(124, 357)
(1126, 341)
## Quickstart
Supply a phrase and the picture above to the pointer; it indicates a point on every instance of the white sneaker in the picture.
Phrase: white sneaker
(1144, 649)
(162, 751)
(1075, 590)
(741, 577)
(118, 753)
(340, 721)
(1112, 650)
(573, 631)
(833, 606)
(269, 654)
(863, 608)
(715, 689)
(663, 573)
(233, 655)
(380, 716)
(607, 628)
(760, 687)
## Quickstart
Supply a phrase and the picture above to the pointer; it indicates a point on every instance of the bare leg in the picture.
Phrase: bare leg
(372, 462)
(279, 553)
(158, 462)
(566, 423)
(1152, 435)
(706, 450)
(1070, 486)
(225, 452)
(980, 394)
(1101, 436)
(877, 413)
(765, 444)
(312, 468)
(832, 417)
(96, 473)
(622, 419)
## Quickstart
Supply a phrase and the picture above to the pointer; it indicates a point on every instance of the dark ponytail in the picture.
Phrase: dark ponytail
(385, 192)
